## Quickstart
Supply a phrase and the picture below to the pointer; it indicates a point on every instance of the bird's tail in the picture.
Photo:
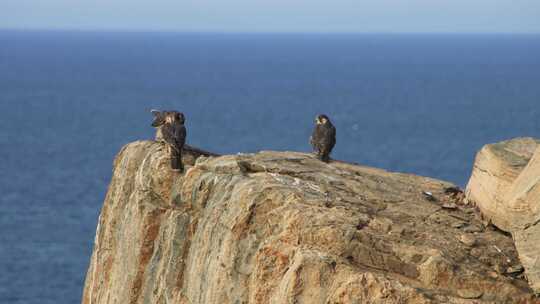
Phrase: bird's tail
(176, 160)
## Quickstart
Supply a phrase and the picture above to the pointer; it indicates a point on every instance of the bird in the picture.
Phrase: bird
(323, 138)
(171, 131)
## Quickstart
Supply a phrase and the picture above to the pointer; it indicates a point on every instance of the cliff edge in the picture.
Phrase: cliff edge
(283, 227)
(505, 185)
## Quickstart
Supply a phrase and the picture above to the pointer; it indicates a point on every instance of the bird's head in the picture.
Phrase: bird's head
(180, 117)
(322, 119)
(175, 117)
(159, 118)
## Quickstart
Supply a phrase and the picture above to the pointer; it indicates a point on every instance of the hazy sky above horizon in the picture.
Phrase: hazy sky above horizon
(275, 15)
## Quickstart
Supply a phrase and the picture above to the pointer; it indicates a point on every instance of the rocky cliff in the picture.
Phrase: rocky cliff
(505, 185)
(283, 227)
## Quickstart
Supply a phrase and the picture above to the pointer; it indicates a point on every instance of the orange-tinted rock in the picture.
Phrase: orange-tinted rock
(283, 227)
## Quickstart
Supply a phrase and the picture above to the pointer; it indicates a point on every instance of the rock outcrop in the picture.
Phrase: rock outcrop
(283, 227)
(505, 185)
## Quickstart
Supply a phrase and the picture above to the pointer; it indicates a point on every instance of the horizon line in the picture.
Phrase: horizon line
(210, 31)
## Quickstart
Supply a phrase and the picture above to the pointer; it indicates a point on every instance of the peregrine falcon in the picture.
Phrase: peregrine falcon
(323, 137)
(171, 131)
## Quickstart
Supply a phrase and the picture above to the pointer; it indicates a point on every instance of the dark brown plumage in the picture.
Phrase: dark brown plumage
(323, 138)
(171, 130)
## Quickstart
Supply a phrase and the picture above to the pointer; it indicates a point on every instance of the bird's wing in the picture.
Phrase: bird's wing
(332, 138)
(333, 135)
(328, 137)
(180, 135)
(169, 136)
(315, 136)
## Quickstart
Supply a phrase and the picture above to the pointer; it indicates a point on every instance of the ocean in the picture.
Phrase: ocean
(415, 103)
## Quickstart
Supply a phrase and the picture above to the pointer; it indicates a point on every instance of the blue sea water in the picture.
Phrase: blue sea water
(422, 104)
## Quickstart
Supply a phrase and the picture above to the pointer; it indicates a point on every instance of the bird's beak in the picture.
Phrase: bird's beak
(157, 122)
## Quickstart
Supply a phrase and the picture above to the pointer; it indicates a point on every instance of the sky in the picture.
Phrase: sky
(456, 16)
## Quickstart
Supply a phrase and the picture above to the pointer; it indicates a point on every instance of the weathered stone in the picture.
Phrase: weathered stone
(467, 239)
(505, 185)
(473, 229)
(514, 269)
(470, 294)
(458, 225)
(449, 206)
(381, 224)
(496, 167)
(256, 228)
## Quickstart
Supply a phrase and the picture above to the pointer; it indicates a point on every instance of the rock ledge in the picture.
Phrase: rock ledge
(505, 185)
(283, 227)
